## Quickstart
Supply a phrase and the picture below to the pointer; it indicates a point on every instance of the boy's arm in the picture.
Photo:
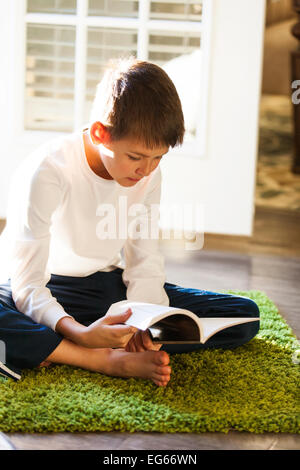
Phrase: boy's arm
(106, 332)
(144, 273)
(34, 198)
(71, 329)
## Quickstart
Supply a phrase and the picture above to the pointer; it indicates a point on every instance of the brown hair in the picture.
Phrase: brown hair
(138, 100)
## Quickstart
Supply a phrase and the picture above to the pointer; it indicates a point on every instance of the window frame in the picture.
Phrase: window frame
(18, 11)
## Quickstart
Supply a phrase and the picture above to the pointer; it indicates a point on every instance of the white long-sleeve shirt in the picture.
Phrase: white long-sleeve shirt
(59, 214)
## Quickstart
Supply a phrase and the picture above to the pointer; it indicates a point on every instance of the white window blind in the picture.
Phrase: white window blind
(50, 62)
(125, 8)
(176, 10)
(61, 7)
(69, 42)
(103, 44)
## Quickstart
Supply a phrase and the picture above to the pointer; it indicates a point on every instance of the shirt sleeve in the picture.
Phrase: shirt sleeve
(33, 207)
(144, 273)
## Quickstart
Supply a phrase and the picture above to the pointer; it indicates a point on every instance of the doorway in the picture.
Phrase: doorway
(277, 187)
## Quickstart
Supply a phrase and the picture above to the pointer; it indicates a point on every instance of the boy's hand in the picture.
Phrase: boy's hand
(141, 341)
(109, 332)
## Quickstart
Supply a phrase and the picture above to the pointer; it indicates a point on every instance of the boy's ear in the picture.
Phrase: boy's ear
(99, 133)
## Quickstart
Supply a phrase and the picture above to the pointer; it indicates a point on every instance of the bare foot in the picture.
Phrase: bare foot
(151, 365)
(45, 364)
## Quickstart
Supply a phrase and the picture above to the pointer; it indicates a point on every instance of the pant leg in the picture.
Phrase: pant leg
(213, 304)
(25, 343)
(88, 298)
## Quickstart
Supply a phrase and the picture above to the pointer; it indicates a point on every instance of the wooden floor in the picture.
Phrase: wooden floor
(270, 262)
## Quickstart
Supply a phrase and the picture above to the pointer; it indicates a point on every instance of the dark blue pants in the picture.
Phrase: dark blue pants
(88, 298)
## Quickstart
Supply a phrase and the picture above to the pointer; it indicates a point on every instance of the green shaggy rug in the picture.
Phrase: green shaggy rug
(252, 388)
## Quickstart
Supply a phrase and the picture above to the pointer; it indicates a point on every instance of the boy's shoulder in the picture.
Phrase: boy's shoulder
(56, 150)
(54, 156)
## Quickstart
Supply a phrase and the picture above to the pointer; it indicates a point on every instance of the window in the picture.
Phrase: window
(68, 43)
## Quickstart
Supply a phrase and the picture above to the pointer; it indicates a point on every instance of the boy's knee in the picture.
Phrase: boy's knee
(250, 309)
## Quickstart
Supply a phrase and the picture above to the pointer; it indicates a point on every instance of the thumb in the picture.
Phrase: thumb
(119, 317)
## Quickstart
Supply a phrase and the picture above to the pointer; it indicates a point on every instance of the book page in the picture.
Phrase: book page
(211, 326)
(176, 328)
(142, 312)
(145, 314)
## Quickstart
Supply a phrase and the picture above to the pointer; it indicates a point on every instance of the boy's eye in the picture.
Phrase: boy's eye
(136, 159)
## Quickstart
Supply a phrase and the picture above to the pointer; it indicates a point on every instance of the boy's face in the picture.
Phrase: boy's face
(128, 162)
(125, 161)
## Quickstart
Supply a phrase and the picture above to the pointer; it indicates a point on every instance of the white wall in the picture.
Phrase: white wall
(224, 180)
(5, 161)
(13, 146)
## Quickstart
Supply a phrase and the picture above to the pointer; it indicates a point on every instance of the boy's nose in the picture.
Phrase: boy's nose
(146, 169)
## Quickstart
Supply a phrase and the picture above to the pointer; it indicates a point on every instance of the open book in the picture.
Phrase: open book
(174, 325)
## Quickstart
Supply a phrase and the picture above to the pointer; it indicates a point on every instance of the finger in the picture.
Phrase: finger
(130, 347)
(112, 319)
(148, 343)
(155, 346)
(146, 339)
(139, 342)
(125, 330)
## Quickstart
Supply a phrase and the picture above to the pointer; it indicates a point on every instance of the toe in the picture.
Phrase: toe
(163, 370)
(161, 383)
(161, 378)
(162, 358)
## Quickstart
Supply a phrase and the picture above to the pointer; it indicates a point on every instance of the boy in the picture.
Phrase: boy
(63, 274)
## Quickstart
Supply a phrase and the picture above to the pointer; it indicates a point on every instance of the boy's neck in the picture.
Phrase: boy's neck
(94, 159)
